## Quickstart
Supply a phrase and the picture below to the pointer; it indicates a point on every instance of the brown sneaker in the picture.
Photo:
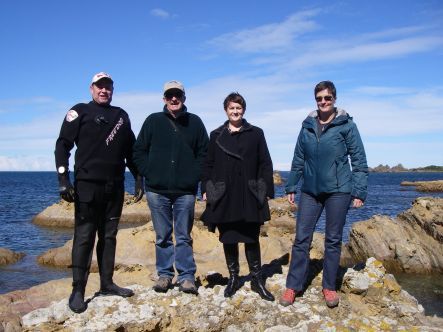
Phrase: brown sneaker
(288, 297)
(163, 284)
(188, 286)
(331, 297)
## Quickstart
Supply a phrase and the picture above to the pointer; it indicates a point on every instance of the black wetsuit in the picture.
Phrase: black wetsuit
(104, 139)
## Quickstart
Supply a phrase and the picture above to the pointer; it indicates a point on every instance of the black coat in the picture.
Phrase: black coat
(237, 176)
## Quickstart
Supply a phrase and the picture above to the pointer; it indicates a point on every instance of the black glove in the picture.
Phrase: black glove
(139, 188)
(65, 187)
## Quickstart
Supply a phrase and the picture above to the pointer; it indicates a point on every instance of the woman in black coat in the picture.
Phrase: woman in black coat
(236, 184)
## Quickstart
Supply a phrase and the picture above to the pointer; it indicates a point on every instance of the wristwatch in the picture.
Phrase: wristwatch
(61, 170)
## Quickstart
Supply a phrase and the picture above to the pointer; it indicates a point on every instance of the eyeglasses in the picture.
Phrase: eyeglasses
(326, 98)
(171, 94)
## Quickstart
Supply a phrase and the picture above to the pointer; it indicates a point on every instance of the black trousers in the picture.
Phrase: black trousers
(98, 208)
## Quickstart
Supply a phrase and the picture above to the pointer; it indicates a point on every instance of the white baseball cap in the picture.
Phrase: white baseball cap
(101, 75)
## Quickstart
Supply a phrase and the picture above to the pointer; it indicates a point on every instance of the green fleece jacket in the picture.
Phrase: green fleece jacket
(171, 157)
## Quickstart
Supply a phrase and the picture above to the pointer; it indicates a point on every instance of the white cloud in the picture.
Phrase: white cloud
(284, 45)
(352, 52)
(161, 13)
(273, 38)
(26, 163)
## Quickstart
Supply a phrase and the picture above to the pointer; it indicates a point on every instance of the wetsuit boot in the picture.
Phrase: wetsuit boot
(77, 299)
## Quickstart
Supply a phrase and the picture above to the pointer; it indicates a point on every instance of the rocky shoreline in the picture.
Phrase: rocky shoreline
(411, 242)
(371, 299)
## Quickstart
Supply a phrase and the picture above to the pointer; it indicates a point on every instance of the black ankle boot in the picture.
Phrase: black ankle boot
(233, 285)
(231, 255)
(258, 286)
(252, 251)
(77, 299)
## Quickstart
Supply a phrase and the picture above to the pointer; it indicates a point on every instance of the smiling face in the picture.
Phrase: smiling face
(235, 112)
(102, 91)
(174, 100)
(325, 101)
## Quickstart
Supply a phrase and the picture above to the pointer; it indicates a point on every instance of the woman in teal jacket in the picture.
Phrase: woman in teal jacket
(327, 141)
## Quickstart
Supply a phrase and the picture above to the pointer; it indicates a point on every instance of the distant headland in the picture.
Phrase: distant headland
(399, 168)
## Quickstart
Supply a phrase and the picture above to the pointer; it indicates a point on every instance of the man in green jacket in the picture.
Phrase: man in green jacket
(169, 153)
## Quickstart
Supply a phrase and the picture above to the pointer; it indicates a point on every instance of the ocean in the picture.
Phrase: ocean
(25, 194)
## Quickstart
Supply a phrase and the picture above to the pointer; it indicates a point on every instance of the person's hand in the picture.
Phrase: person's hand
(291, 198)
(65, 187)
(357, 203)
(204, 196)
(139, 189)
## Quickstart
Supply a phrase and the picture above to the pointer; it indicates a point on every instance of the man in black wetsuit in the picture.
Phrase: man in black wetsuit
(104, 139)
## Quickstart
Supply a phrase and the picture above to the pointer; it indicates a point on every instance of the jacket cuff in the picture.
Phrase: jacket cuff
(359, 194)
(290, 189)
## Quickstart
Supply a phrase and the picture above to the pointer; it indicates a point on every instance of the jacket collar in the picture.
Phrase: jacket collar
(182, 112)
(245, 126)
(225, 142)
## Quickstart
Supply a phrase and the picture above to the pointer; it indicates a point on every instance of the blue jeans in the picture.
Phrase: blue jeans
(309, 211)
(173, 213)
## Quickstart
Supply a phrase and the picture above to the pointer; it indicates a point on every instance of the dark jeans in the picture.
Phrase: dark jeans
(309, 210)
(98, 207)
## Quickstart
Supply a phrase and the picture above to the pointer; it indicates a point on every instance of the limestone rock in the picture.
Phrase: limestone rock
(137, 246)
(8, 256)
(376, 307)
(412, 242)
(277, 178)
(426, 214)
(61, 214)
(425, 186)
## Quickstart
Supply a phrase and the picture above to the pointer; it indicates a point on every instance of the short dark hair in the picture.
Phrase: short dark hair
(234, 97)
(326, 85)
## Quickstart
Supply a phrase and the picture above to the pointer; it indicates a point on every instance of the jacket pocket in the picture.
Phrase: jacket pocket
(214, 192)
(258, 189)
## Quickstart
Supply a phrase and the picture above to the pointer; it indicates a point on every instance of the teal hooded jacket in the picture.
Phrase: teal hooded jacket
(322, 159)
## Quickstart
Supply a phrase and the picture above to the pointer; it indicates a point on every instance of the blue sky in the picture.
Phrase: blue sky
(385, 58)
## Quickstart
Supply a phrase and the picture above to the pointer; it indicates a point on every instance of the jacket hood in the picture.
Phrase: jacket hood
(341, 117)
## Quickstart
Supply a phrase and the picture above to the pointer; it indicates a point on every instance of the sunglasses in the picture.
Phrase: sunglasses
(171, 94)
(326, 98)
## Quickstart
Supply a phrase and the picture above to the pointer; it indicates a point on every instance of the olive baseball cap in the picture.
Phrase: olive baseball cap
(173, 85)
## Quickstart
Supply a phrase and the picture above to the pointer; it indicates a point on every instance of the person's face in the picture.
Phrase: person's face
(235, 112)
(325, 101)
(174, 100)
(102, 91)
